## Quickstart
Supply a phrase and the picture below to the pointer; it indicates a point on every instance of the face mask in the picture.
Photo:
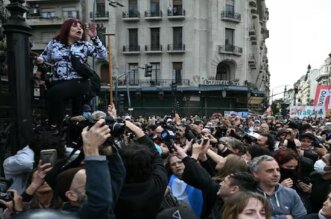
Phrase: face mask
(288, 173)
(86, 115)
(319, 166)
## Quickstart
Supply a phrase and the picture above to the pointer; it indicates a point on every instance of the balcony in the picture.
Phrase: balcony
(176, 14)
(153, 83)
(252, 61)
(131, 50)
(131, 16)
(50, 18)
(153, 49)
(265, 32)
(100, 15)
(230, 50)
(176, 48)
(231, 16)
(254, 12)
(153, 15)
(252, 3)
(252, 33)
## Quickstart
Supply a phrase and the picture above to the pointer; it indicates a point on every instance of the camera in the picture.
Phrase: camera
(5, 195)
(167, 137)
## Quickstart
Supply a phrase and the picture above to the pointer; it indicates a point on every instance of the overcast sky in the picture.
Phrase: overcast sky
(300, 34)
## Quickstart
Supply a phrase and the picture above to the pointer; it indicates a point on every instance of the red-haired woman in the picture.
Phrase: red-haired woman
(66, 82)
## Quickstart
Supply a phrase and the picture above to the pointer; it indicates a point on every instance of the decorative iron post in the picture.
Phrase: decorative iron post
(19, 74)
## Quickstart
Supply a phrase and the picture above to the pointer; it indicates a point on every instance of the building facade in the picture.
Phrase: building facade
(205, 56)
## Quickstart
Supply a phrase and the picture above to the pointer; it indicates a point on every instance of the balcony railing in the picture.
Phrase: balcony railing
(152, 83)
(100, 15)
(176, 48)
(252, 61)
(231, 16)
(153, 15)
(252, 3)
(176, 14)
(131, 49)
(133, 15)
(230, 50)
(38, 18)
(153, 48)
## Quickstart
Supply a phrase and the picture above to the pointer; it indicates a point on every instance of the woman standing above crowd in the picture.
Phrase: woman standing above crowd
(66, 82)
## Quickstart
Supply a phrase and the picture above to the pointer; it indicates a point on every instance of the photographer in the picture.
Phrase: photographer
(87, 196)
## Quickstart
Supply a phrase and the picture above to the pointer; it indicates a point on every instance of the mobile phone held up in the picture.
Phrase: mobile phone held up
(48, 156)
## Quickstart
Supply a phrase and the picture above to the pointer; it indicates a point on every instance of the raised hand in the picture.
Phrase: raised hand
(95, 137)
(92, 29)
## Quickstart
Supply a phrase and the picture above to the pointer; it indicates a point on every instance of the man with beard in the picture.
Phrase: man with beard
(285, 202)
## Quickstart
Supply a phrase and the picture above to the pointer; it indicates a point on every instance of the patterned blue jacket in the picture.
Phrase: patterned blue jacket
(59, 54)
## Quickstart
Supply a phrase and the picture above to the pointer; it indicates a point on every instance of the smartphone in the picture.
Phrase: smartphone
(48, 156)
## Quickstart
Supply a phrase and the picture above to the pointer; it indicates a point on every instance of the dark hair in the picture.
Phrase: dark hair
(235, 204)
(137, 159)
(244, 180)
(284, 156)
(257, 150)
(270, 141)
(46, 140)
(63, 34)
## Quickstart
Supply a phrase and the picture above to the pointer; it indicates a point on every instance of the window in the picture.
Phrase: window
(229, 6)
(47, 13)
(178, 37)
(155, 7)
(229, 39)
(133, 8)
(133, 74)
(177, 72)
(100, 8)
(178, 7)
(133, 40)
(155, 38)
(70, 13)
(156, 72)
(223, 72)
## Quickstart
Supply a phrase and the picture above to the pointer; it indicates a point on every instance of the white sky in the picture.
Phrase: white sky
(299, 34)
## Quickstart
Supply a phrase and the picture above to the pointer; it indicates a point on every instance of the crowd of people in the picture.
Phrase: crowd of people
(173, 167)
(100, 165)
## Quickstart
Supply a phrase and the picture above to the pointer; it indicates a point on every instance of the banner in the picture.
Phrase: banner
(233, 113)
(322, 98)
(307, 111)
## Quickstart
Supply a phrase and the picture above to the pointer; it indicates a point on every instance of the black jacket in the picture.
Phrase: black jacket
(198, 177)
(143, 200)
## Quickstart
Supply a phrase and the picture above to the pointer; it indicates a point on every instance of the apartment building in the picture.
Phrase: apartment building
(206, 56)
